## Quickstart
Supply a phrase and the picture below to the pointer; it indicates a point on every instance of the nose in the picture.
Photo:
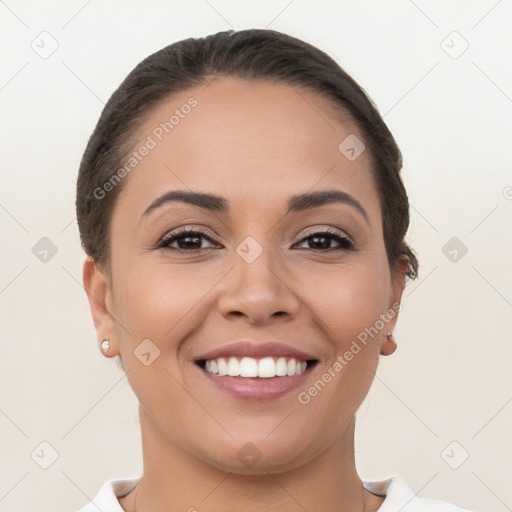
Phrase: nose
(259, 291)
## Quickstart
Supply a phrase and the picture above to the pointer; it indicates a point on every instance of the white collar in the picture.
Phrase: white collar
(399, 496)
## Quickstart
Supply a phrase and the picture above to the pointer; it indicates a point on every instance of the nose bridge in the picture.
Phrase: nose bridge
(256, 264)
(257, 286)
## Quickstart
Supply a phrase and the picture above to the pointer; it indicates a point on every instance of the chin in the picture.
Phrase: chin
(257, 455)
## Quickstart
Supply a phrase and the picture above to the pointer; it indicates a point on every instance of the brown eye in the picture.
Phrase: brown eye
(188, 240)
(322, 240)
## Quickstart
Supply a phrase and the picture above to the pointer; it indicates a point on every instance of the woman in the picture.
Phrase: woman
(244, 218)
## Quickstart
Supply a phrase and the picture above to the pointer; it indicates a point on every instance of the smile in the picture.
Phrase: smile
(256, 371)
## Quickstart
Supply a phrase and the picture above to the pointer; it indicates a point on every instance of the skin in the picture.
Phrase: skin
(255, 144)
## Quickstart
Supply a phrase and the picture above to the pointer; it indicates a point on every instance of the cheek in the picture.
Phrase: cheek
(158, 300)
(347, 310)
(347, 299)
(347, 304)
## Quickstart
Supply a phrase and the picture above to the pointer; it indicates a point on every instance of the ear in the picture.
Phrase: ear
(397, 287)
(99, 294)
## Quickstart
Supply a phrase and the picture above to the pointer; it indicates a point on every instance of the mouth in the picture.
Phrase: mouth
(256, 372)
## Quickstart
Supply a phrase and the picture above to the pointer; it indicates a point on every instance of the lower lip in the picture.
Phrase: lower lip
(255, 388)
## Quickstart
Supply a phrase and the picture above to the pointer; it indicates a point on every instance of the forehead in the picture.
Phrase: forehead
(249, 141)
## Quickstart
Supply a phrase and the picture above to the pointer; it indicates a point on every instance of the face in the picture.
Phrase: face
(267, 278)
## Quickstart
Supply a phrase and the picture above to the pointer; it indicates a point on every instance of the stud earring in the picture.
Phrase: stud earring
(390, 346)
(105, 345)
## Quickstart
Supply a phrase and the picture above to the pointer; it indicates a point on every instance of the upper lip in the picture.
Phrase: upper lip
(256, 350)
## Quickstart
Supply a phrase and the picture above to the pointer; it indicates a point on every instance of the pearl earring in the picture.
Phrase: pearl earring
(389, 334)
(105, 345)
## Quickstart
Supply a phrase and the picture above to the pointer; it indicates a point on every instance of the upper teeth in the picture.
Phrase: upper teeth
(249, 367)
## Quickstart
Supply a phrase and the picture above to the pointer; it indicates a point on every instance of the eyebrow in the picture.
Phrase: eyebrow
(297, 203)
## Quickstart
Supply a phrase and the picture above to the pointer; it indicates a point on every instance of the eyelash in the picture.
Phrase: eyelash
(345, 243)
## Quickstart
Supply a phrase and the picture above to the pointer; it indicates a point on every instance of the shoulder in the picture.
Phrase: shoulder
(400, 497)
(106, 498)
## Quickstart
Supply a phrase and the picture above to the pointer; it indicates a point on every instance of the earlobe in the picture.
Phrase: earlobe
(389, 345)
(99, 294)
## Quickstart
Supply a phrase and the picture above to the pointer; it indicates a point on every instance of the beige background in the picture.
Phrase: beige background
(452, 117)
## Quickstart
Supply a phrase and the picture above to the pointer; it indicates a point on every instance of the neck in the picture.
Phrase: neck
(174, 480)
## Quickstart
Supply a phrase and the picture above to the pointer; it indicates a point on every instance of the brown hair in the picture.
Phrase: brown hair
(252, 54)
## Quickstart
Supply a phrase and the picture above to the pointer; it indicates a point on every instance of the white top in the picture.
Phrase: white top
(399, 497)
